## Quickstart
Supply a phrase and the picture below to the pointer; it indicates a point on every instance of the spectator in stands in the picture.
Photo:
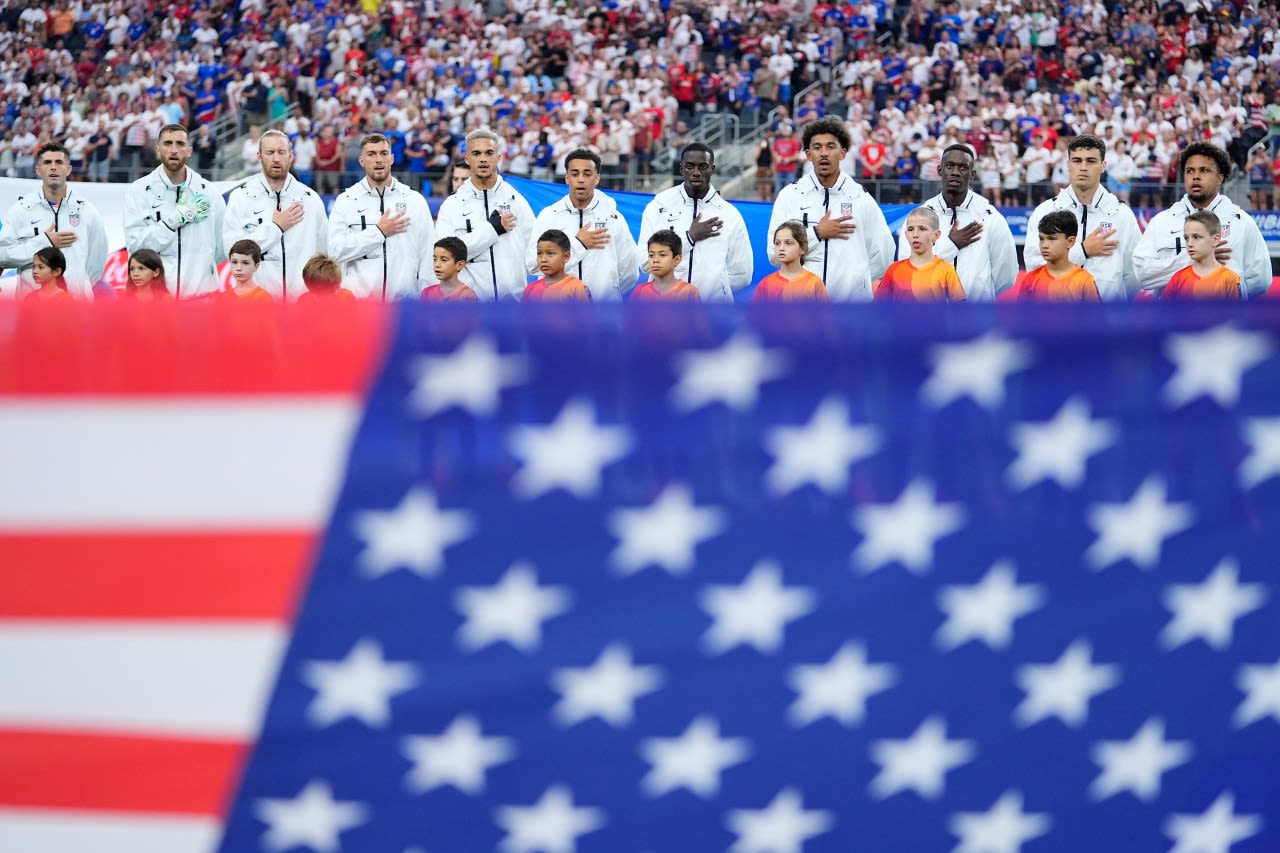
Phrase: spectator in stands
(328, 161)
(1108, 230)
(380, 230)
(602, 250)
(54, 216)
(1162, 251)
(787, 153)
(977, 240)
(178, 214)
(717, 257)
(850, 244)
(493, 219)
(283, 216)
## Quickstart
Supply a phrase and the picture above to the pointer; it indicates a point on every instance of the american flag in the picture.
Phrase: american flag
(852, 579)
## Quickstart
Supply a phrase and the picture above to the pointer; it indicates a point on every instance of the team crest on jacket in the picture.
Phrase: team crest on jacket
(401, 207)
(74, 219)
(1226, 230)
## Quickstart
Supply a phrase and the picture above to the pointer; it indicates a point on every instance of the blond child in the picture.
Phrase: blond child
(1206, 278)
(322, 276)
(792, 282)
(922, 277)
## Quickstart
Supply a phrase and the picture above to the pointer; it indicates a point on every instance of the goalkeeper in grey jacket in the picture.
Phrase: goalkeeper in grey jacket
(177, 213)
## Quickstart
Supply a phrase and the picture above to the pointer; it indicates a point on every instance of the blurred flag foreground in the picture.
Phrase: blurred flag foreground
(826, 579)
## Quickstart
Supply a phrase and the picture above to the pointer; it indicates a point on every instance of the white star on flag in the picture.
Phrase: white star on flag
(1263, 462)
(361, 685)
(906, 530)
(551, 825)
(1209, 610)
(666, 534)
(1138, 763)
(1004, 828)
(838, 688)
(459, 756)
(1215, 831)
(313, 819)
(1213, 363)
(1058, 449)
(1261, 686)
(783, 826)
(920, 763)
(1063, 689)
(570, 453)
(607, 689)
(413, 536)
(986, 610)
(511, 610)
(819, 452)
(1136, 530)
(754, 613)
(694, 760)
(731, 374)
(471, 377)
(977, 368)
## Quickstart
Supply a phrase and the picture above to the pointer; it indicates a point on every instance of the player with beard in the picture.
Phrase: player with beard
(976, 239)
(850, 243)
(381, 231)
(1162, 249)
(175, 212)
(283, 216)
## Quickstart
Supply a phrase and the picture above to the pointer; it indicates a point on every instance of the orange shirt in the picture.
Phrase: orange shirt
(566, 288)
(58, 295)
(777, 287)
(1075, 286)
(340, 294)
(1222, 283)
(936, 281)
(256, 294)
(436, 293)
(682, 292)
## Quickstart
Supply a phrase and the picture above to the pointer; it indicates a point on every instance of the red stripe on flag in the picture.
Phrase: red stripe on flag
(103, 772)
(129, 348)
(153, 576)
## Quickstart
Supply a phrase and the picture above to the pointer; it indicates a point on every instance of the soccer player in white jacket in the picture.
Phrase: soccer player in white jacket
(55, 216)
(178, 214)
(850, 243)
(976, 238)
(602, 251)
(1108, 229)
(493, 220)
(283, 216)
(1162, 251)
(381, 231)
(717, 249)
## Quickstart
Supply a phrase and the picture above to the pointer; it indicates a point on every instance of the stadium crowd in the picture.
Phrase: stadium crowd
(631, 78)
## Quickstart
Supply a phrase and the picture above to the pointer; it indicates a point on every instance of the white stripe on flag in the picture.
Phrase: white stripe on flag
(55, 831)
(191, 464)
(195, 680)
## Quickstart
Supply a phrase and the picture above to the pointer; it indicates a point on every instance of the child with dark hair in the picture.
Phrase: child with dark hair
(1058, 280)
(146, 277)
(448, 259)
(665, 249)
(49, 268)
(555, 284)
(244, 257)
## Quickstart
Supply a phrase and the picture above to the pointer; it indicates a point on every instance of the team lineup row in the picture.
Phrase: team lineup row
(383, 236)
